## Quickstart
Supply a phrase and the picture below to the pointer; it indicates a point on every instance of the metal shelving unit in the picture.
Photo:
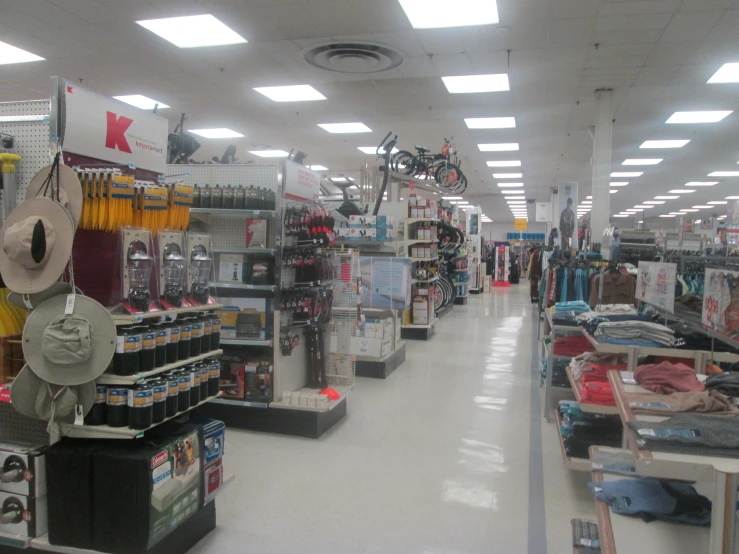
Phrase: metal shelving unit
(111, 379)
(250, 214)
(128, 319)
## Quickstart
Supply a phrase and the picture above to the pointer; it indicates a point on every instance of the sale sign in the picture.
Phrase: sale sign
(301, 183)
(100, 127)
(655, 284)
(721, 302)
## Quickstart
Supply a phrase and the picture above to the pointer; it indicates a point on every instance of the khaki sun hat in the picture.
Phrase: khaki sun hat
(36, 398)
(69, 189)
(35, 245)
(69, 349)
(30, 301)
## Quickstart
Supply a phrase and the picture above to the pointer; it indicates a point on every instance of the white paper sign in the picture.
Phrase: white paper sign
(720, 309)
(543, 212)
(655, 284)
(301, 183)
(106, 129)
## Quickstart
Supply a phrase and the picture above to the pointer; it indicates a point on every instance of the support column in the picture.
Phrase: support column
(602, 150)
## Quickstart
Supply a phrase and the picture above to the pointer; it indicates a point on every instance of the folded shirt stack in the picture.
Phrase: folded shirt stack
(654, 499)
(706, 402)
(666, 378)
(582, 430)
(571, 345)
(642, 333)
(594, 385)
(565, 313)
(579, 363)
(726, 383)
(591, 321)
(699, 435)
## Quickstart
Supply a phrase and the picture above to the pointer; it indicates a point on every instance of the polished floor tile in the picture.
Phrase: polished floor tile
(433, 460)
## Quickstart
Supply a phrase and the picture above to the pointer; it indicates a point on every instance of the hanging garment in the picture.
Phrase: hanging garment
(617, 289)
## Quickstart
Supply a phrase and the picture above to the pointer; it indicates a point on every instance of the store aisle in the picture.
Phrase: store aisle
(434, 459)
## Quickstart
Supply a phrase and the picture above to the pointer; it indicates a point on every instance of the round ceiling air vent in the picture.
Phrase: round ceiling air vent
(353, 57)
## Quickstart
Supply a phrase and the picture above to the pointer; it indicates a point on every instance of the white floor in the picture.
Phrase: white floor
(435, 459)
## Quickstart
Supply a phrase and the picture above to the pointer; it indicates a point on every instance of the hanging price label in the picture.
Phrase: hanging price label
(655, 284)
(721, 302)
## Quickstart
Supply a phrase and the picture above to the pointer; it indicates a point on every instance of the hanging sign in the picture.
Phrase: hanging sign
(660, 238)
(521, 224)
(543, 212)
(100, 127)
(720, 308)
(301, 183)
(655, 284)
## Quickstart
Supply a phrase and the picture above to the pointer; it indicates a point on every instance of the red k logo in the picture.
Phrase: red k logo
(116, 136)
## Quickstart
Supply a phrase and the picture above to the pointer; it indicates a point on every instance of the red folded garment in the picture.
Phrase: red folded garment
(666, 378)
(572, 346)
(594, 385)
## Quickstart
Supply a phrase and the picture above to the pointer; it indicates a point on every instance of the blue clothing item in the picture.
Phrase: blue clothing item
(631, 342)
(563, 293)
(581, 285)
(574, 306)
(653, 499)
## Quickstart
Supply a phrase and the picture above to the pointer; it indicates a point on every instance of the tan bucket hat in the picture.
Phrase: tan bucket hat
(36, 398)
(30, 301)
(70, 189)
(35, 245)
(69, 349)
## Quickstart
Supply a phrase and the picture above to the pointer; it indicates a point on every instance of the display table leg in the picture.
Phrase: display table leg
(723, 513)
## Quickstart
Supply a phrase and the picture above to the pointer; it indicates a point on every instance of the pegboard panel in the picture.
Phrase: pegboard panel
(264, 176)
(31, 140)
(291, 372)
(15, 427)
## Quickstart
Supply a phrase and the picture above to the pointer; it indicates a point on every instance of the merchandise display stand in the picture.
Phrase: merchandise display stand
(723, 473)
(229, 229)
(552, 393)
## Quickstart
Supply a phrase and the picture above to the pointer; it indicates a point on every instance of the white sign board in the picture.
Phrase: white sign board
(720, 311)
(100, 127)
(543, 212)
(655, 284)
(301, 183)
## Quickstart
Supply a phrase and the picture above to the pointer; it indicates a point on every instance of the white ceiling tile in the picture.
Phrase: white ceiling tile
(632, 22)
(690, 26)
(632, 7)
(571, 32)
(655, 76)
(571, 8)
(673, 53)
(649, 36)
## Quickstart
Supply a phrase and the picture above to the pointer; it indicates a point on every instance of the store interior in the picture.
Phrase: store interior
(360, 277)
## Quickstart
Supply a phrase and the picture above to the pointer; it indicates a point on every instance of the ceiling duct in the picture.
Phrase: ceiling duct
(353, 57)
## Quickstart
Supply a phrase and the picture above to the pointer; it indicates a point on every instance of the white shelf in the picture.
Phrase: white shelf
(246, 342)
(255, 214)
(241, 286)
(414, 220)
(414, 281)
(433, 259)
(341, 389)
(245, 250)
(16, 541)
(236, 402)
(125, 319)
(107, 432)
(411, 242)
(112, 379)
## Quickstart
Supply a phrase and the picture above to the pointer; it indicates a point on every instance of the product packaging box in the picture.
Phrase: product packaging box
(258, 380)
(214, 439)
(233, 379)
(376, 328)
(235, 324)
(231, 268)
(23, 515)
(213, 480)
(23, 469)
(373, 348)
(385, 282)
(145, 491)
(421, 310)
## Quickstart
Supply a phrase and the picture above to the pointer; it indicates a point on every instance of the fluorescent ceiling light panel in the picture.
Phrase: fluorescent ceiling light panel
(717, 202)
(698, 220)
(642, 161)
(704, 183)
(22, 118)
(291, 93)
(337, 128)
(462, 202)
(588, 197)
(270, 153)
(620, 215)
(339, 179)
(681, 191)
(587, 202)
(217, 133)
(142, 102)
(436, 14)
(509, 185)
(732, 197)
(452, 198)
(512, 191)
(698, 117)
(317, 168)
(515, 202)
(676, 213)
(627, 174)
(664, 144)
(516, 197)
(373, 150)
(477, 83)
(499, 147)
(614, 191)
(654, 202)
(193, 31)
(724, 174)
(643, 207)
(689, 210)
(490, 122)
(619, 183)
(505, 163)
(666, 197)
(11, 54)
(667, 215)
(507, 175)
(729, 73)
(702, 207)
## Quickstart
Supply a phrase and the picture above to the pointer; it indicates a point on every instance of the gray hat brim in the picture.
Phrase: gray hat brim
(37, 298)
(25, 389)
(104, 341)
(68, 181)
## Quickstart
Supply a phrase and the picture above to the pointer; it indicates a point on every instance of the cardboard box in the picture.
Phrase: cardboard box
(23, 469)
(421, 310)
(377, 328)
(231, 268)
(487, 284)
(214, 441)
(213, 480)
(233, 307)
(373, 348)
(31, 515)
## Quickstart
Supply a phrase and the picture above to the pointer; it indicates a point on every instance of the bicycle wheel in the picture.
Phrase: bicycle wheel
(438, 298)
(447, 175)
(403, 162)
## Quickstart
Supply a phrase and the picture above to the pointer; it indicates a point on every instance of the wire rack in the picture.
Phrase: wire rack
(347, 287)
(15, 427)
(342, 366)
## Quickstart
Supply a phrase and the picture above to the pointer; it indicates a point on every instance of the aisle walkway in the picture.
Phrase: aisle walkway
(434, 460)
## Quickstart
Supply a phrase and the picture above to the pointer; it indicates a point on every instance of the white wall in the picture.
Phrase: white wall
(499, 231)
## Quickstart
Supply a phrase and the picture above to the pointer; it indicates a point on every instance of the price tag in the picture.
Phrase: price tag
(69, 307)
(79, 414)
(256, 212)
(131, 165)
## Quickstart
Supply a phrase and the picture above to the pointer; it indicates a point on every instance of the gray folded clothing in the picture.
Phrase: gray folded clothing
(700, 435)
